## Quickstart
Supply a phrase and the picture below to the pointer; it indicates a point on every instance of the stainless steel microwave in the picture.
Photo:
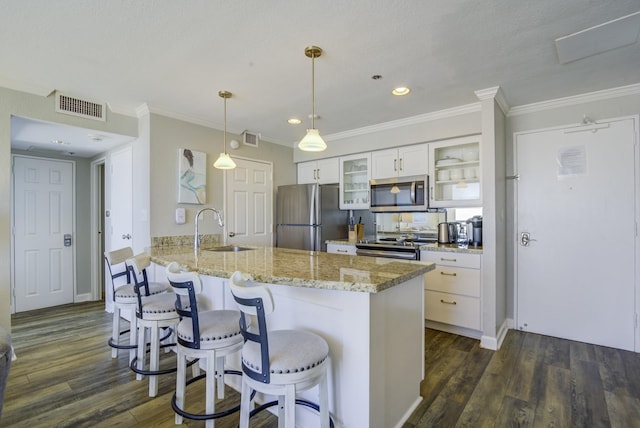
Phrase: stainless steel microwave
(399, 194)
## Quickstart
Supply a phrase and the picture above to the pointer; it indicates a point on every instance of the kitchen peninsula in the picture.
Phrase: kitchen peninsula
(368, 309)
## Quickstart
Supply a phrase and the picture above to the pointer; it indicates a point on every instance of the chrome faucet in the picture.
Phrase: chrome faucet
(196, 236)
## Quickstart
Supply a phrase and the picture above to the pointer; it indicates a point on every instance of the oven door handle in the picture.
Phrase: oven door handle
(387, 254)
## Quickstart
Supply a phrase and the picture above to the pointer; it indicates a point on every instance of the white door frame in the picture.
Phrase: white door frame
(224, 196)
(97, 259)
(515, 236)
(73, 226)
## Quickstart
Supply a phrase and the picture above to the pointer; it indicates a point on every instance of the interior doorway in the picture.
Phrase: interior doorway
(576, 220)
(249, 203)
(97, 228)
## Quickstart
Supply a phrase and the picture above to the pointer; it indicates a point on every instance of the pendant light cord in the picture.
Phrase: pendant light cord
(225, 127)
(313, 91)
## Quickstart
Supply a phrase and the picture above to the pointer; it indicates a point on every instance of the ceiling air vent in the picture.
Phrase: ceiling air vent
(251, 138)
(79, 107)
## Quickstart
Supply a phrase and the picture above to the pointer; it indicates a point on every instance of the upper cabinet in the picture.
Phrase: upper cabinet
(354, 181)
(400, 162)
(454, 173)
(323, 171)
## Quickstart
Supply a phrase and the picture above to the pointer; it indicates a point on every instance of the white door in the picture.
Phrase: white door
(249, 202)
(43, 233)
(121, 199)
(576, 207)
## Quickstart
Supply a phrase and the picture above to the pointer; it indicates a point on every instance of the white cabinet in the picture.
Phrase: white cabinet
(400, 162)
(452, 291)
(354, 181)
(348, 249)
(454, 172)
(323, 171)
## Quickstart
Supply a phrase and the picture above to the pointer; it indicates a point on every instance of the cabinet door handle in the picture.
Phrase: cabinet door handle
(448, 260)
(315, 174)
(400, 164)
(447, 302)
(431, 193)
(395, 164)
(448, 273)
(342, 251)
(318, 173)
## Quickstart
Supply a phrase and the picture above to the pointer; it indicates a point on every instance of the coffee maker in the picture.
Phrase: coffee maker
(474, 230)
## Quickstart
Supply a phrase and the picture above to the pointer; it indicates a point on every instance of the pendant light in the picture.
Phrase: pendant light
(312, 142)
(225, 161)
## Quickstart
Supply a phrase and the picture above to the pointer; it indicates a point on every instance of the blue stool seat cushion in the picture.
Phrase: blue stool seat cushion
(290, 351)
(126, 293)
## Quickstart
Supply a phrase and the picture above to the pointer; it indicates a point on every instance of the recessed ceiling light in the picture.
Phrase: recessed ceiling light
(401, 90)
(294, 121)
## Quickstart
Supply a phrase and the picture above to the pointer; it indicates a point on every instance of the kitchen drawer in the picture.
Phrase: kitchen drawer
(453, 259)
(461, 311)
(341, 249)
(453, 280)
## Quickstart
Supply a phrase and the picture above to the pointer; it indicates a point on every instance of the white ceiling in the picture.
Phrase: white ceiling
(176, 55)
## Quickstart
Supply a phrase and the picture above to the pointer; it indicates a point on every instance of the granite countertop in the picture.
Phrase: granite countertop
(297, 268)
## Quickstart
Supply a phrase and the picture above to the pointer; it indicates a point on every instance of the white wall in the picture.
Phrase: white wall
(167, 135)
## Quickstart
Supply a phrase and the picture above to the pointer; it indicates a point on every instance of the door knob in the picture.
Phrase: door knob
(127, 236)
(232, 234)
(525, 239)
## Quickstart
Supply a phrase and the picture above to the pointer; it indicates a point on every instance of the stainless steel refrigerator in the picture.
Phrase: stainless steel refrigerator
(307, 215)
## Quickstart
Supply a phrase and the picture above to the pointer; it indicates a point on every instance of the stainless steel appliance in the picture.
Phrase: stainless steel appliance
(406, 248)
(307, 215)
(399, 194)
(474, 230)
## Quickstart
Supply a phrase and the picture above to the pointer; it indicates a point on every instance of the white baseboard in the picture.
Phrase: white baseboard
(408, 413)
(494, 343)
(85, 297)
(448, 328)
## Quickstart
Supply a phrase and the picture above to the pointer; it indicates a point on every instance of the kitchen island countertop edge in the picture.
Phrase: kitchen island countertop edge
(298, 268)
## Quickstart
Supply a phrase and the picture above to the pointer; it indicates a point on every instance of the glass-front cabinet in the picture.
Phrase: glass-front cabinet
(454, 173)
(354, 181)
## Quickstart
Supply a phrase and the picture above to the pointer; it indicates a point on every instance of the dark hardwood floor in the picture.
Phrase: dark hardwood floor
(65, 377)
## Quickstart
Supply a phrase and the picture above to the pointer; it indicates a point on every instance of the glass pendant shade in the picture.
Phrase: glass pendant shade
(224, 162)
(312, 142)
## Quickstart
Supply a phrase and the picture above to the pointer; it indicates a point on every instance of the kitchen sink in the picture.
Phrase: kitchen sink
(228, 248)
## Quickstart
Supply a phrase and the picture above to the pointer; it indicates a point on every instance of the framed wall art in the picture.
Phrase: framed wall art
(192, 177)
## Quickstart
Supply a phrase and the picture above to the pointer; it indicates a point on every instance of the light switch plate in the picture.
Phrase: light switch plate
(180, 216)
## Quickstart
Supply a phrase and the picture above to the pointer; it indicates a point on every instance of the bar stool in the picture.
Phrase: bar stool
(154, 312)
(278, 362)
(124, 299)
(211, 335)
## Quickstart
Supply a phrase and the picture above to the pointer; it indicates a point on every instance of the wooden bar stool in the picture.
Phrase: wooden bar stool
(278, 362)
(212, 335)
(153, 312)
(125, 300)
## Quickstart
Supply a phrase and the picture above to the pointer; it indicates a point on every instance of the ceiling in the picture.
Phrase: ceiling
(174, 56)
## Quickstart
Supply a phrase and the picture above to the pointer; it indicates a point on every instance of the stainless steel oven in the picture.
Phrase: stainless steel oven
(393, 248)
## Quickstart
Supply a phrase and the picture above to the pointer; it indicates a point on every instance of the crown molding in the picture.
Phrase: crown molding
(427, 117)
(495, 93)
(143, 110)
(601, 95)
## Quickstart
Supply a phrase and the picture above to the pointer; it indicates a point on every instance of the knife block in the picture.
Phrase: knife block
(356, 232)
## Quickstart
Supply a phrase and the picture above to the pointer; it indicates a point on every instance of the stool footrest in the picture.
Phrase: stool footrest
(299, 401)
(205, 416)
(133, 363)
